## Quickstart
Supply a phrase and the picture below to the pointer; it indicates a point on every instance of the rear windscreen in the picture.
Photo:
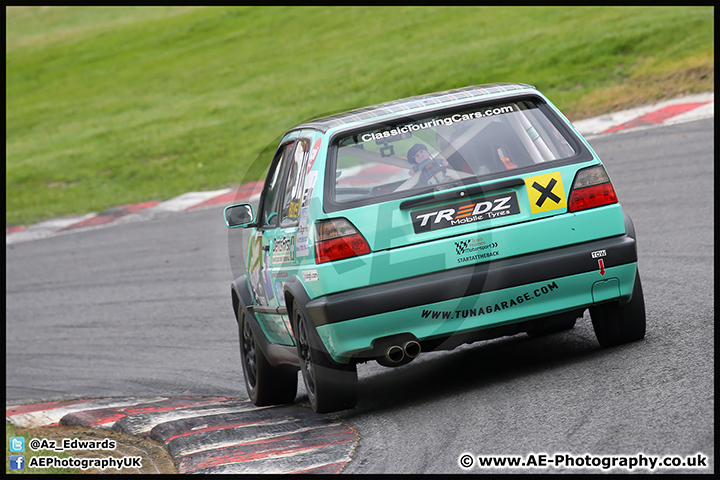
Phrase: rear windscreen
(443, 150)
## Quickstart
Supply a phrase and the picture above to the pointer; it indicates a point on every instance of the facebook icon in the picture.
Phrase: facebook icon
(17, 462)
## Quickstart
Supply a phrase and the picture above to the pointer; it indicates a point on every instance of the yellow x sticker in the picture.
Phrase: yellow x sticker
(546, 192)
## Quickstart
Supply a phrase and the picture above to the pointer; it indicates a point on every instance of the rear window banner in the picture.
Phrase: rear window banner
(468, 145)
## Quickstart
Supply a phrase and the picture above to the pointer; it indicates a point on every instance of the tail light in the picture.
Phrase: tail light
(591, 188)
(337, 239)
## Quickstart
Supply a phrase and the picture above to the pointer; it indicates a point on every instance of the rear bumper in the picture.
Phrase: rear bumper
(472, 280)
(478, 296)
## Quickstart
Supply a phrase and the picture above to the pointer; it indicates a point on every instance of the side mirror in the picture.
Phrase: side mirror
(239, 216)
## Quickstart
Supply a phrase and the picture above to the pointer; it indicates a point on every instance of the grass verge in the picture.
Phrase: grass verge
(113, 105)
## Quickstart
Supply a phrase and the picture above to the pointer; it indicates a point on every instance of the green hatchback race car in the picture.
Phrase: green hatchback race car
(423, 224)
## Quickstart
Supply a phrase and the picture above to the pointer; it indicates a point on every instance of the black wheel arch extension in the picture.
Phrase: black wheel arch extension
(630, 227)
(295, 295)
(275, 354)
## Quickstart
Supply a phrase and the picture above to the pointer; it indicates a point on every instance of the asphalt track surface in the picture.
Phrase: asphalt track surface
(142, 309)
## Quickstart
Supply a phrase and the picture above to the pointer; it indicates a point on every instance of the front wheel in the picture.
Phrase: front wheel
(330, 386)
(616, 324)
(266, 385)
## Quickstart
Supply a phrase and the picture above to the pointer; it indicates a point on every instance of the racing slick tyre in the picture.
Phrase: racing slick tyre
(616, 324)
(330, 386)
(266, 385)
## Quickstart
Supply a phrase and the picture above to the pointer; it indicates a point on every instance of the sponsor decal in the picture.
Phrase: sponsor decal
(284, 249)
(479, 256)
(303, 235)
(258, 276)
(435, 122)
(279, 292)
(473, 245)
(475, 249)
(294, 209)
(267, 277)
(310, 276)
(303, 231)
(313, 154)
(464, 212)
(488, 309)
(546, 192)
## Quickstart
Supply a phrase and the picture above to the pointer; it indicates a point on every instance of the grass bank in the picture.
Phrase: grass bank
(114, 105)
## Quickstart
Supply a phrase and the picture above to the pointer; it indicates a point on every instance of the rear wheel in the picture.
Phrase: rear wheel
(330, 386)
(616, 324)
(266, 385)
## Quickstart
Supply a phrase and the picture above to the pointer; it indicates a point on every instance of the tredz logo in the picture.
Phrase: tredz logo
(462, 213)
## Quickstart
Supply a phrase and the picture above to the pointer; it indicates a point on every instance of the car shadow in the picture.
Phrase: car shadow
(436, 375)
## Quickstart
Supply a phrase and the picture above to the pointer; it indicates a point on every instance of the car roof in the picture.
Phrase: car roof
(326, 123)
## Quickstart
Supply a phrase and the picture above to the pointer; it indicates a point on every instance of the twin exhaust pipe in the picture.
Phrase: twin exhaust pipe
(395, 354)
